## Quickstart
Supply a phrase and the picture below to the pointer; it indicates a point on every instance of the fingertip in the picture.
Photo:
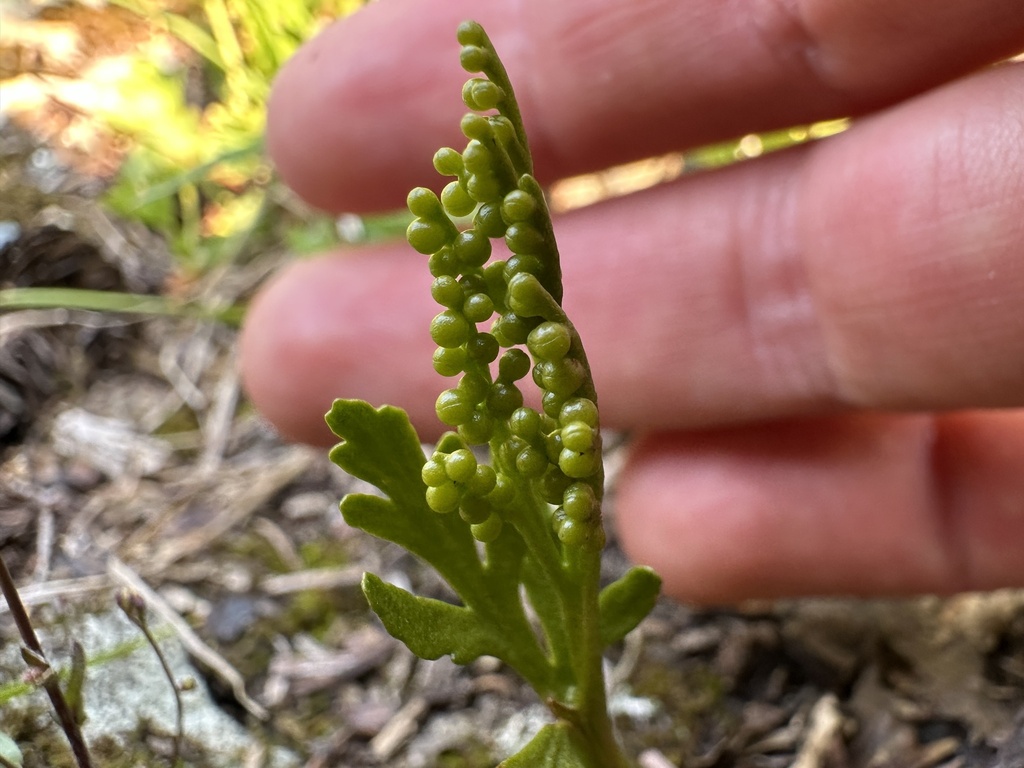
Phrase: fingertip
(343, 325)
(827, 507)
(279, 337)
(334, 131)
(681, 537)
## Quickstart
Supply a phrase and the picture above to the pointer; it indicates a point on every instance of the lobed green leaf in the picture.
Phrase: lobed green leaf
(380, 446)
(552, 747)
(430, 628)
(626, 601)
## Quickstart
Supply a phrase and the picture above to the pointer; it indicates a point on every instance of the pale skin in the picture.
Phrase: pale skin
(820, 353)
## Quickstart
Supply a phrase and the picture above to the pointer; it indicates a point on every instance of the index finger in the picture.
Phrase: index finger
(356, 115)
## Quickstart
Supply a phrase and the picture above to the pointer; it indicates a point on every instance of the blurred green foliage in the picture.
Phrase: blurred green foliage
(197, 172)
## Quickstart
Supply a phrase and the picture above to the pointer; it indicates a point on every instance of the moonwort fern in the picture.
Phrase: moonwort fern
(519, 537)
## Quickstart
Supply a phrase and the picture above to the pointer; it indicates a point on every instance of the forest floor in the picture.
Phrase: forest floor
(129, 458)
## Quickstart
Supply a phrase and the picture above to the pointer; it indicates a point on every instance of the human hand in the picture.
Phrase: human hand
(821, 349)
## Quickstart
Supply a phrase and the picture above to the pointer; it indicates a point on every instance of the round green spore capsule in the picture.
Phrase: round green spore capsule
(579, 501)
(450, 362)
(467, 93)
(478, 429)
(565, 376)
(472, 249)
(543, 370)
(578, 436)
(477, 158)
(572, 533)
(473, 283)
(483, 187)
(494, 281)
(483, 481)
(553, 484)
(504, 492)
(553, 446)
(487, 531)
(578, 409)
(474, 387)
(448, 162)
(502, 129)
(460, 465)
(483, 348)
(528, 298)
(475, 127)
(424, 204)
(470, 33)
(503, 398)
(453, 407)
(474, 58)
(443, 263)
(488, 220)
(446, 291)
(551, 404)
(531, 463)
(522, 237)
(550, 340)
(456, 199)
(443, 498)
(474, 510)
(433, 473)
(521, 262)
(509, 449)
(449, 329)
(485, 95)
(514, 365)
(427, 237)
(578, 465)
(480, 94)
(511, 329)
(524, 423)
(518, 206)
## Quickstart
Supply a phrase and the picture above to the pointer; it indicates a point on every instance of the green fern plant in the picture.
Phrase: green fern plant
(518, 537)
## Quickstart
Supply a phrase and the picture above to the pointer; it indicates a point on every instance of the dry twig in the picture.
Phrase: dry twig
(192, 642)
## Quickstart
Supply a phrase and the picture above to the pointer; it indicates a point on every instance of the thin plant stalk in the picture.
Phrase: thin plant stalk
(50, 683)
(134, 608)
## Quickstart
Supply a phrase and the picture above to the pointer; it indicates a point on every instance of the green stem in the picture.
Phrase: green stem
(522, 651)
(587, 712)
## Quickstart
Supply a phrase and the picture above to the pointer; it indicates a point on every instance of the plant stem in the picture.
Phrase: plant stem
(51, 684)
(134, 607)
(590, 712)
(180, 721)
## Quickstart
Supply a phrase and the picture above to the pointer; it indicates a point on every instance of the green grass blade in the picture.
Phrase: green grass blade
(196, 38)
(12, 299)
(197, 174)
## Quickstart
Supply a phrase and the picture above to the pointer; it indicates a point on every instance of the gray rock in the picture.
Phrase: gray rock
(129, 686)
